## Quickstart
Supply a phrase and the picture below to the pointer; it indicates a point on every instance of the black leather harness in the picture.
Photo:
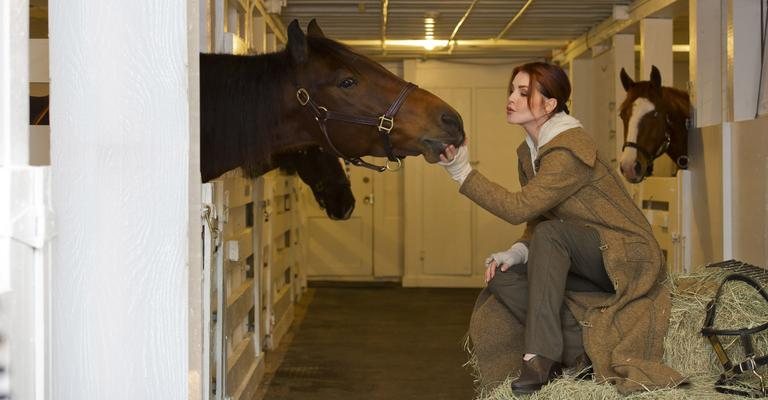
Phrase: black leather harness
(731, 370)
(384, 124)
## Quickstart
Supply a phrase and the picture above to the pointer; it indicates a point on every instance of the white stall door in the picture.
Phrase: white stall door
(342, 249)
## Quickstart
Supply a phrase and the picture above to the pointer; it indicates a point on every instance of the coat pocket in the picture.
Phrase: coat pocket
(636, 249)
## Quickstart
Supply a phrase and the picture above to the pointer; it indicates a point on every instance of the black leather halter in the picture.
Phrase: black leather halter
(384, 124)
(730, 370)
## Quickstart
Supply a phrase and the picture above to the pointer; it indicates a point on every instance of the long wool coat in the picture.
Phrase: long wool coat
(623, 332)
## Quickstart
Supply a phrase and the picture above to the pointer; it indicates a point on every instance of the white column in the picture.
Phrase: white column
(624, 57)
(705, 61)
(743, 47)
(259, 35)
(656, 49)
(126, 189)
(14, 82)
(582, 107)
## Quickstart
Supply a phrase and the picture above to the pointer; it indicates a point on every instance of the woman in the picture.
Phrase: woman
(584, 280)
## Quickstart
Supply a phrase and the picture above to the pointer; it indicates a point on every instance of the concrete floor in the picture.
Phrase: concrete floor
(374, 343)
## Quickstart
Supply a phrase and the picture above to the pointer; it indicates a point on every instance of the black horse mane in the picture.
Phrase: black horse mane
(243, 110)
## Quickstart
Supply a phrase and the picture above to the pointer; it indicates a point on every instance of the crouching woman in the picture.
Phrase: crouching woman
(583, 285)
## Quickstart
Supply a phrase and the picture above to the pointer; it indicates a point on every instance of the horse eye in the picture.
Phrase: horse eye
(347, 83)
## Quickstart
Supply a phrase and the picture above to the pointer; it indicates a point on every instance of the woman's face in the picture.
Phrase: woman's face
(518, 111)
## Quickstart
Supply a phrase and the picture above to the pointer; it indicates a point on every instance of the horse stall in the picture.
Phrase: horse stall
(252, 236)
(155, 282)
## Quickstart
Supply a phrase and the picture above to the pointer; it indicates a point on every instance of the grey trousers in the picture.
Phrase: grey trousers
(561, 256)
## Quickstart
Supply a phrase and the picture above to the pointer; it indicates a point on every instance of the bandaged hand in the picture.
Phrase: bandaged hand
(517, 254)
(456, 162)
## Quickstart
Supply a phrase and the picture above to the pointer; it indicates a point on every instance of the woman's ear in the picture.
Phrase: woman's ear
(550, 104)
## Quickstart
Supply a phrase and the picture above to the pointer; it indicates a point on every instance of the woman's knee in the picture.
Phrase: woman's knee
(546, 230)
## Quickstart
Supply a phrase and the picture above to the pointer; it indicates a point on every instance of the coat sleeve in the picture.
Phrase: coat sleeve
(560, 175)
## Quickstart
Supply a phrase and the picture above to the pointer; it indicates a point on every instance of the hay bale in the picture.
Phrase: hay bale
(686, 350)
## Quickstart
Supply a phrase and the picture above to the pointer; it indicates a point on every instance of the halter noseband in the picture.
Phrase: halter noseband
(681, 162)
(730, 369)
(384, 124)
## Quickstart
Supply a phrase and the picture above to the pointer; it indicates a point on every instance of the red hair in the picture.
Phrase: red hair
(549, 80)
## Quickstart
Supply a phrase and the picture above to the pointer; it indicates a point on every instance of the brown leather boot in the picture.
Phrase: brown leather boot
(535, 373)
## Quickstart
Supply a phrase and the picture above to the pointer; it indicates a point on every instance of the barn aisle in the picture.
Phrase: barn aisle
(376, 343)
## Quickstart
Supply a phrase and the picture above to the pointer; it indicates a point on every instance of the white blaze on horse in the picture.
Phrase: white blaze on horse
(655, 122)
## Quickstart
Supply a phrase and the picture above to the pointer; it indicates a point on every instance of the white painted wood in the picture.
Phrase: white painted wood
(743, 58)
(343, 248)
(580, 72)
(706, 59)
(14, 82)
(750, 191)
(39, 145)
(25, 266)
(388, 224)
(121, 187)
(446, 236)
(610, 28)
(665, 201)
(259, 43)
(606, 129)
(656, 49)
(727, 191)
(38, 60)
(624, 57)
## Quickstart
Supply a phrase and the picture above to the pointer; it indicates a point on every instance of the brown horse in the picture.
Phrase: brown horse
(323, 173)
(655, 122)
(315, 93)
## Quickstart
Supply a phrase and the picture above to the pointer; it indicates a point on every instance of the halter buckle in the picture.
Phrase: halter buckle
(751, 365)
(384, 121)
(302, 96)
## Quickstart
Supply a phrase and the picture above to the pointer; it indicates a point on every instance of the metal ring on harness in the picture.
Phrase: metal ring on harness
(398, 163)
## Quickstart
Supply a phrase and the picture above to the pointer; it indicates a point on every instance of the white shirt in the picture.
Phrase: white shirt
(554, 126)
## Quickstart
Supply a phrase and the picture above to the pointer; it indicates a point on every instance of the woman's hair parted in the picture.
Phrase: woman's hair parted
(549, 79)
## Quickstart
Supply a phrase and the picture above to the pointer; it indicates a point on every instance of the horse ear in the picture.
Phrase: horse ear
(655, 77)
(626, 81)
(297, 42)
(313, 29)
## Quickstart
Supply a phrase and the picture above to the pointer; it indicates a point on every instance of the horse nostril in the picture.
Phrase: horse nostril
(638, 168)
(452, 120)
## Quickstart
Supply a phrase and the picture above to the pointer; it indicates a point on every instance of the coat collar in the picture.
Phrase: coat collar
(575, 140)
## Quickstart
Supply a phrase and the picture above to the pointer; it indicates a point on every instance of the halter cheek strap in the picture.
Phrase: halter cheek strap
(383, 123)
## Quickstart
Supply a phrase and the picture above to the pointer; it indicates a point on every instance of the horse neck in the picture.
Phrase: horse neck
(248, 113)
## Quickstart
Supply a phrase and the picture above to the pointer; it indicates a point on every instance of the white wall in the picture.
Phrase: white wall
(750, 195)
(123, 138)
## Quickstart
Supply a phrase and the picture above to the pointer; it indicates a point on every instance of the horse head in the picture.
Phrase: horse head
(323, 174)
(355, 107)
(655, 121)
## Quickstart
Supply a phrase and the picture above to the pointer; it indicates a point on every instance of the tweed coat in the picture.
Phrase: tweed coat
(623, 332)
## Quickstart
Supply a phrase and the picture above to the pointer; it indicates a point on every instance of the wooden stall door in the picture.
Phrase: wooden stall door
(342, 249)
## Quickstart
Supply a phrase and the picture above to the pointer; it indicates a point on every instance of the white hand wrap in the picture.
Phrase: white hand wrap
(517, 254)
(459, 167)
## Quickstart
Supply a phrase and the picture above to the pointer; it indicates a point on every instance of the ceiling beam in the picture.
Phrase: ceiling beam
(461, 21)
(276, 27)
(605, 30)
(512, 21)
